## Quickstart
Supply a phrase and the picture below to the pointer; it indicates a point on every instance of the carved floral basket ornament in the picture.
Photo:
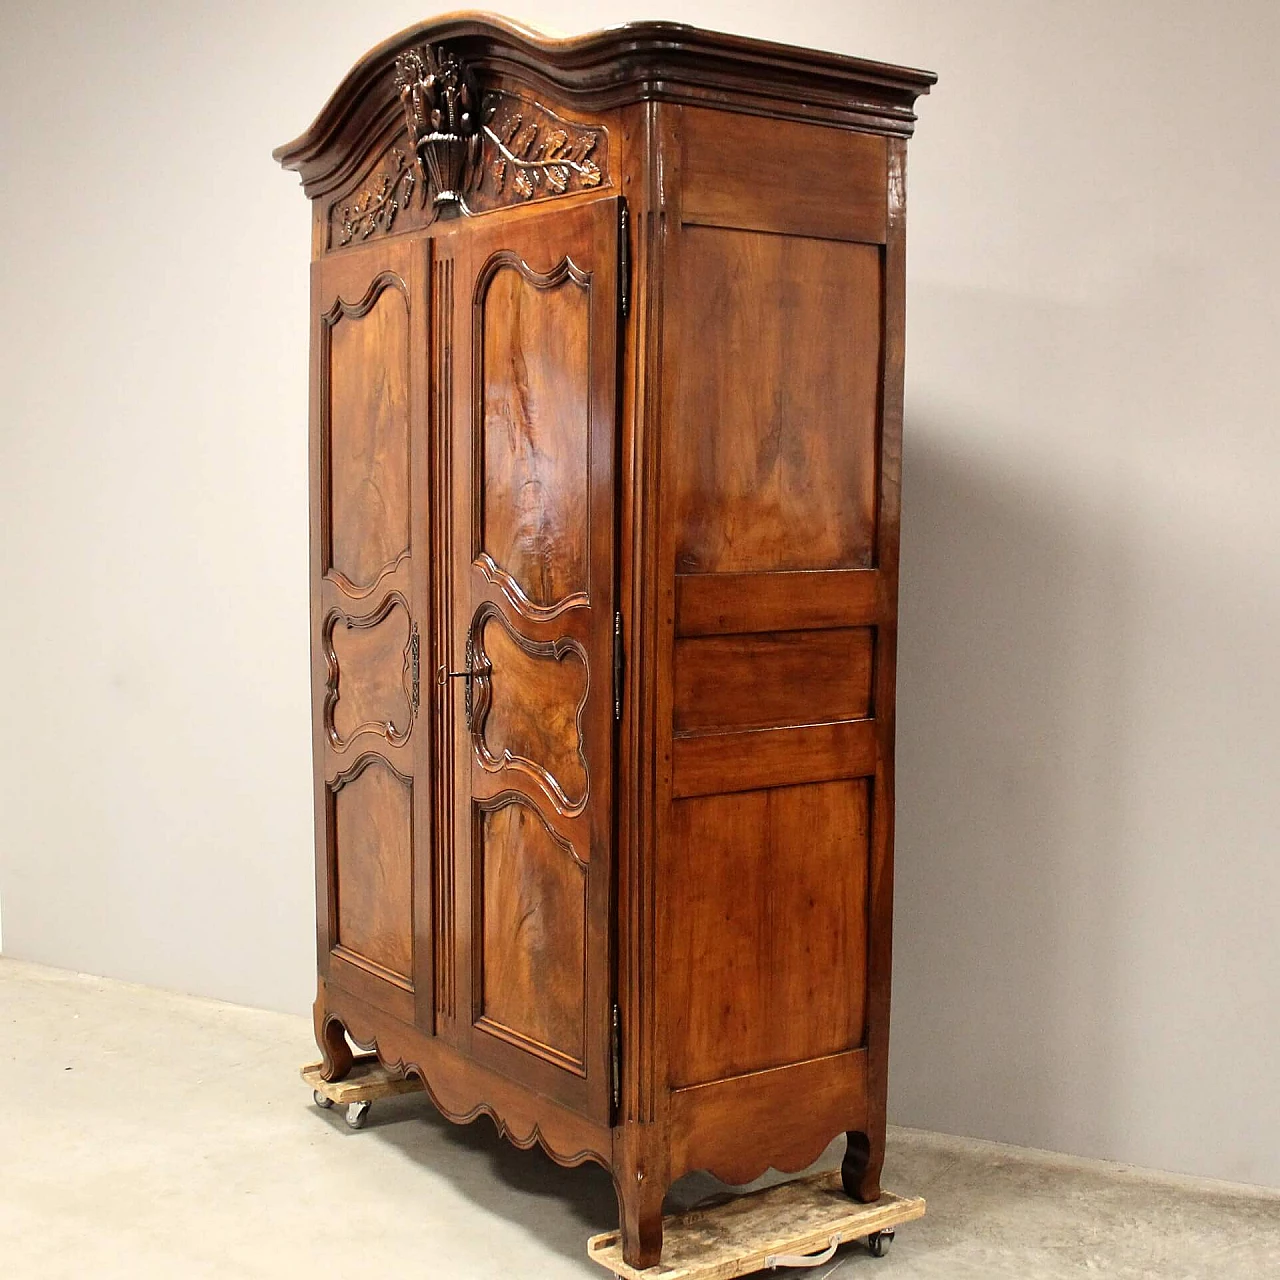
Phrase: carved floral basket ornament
(505, 146)
(439, 100)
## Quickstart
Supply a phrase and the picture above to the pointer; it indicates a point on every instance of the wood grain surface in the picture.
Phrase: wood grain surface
(605, 513)
(740, 1236)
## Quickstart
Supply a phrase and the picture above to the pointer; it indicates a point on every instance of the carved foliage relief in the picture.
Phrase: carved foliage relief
(510, 150)
(530, 151)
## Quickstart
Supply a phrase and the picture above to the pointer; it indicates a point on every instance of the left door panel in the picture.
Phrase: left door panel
(369, 625)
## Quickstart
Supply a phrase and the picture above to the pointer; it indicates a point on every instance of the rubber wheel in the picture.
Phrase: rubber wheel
(879, 1243)
(321, 1100)
(358, 1113)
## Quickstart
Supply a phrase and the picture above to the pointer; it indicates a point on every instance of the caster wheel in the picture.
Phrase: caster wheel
(321, 1100)
(358, 1113)
(878, 1242)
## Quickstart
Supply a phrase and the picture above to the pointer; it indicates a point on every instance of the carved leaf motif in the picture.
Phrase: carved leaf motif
(539, 153)
(520, 152)
(376, 207)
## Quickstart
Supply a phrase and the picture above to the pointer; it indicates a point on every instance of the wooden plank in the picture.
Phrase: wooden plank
(714, 763)
(367, 1081)
(772, 464)
(731, 603)
(771, 679)
(777, 175)
(738, 1127)
(750, 1231)
(752, 989)
(367, 981)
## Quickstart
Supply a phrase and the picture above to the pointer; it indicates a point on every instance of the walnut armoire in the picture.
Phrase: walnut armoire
(606, 409)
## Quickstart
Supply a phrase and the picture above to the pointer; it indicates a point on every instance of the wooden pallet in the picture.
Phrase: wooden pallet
(366, 1082)
(776, 1227)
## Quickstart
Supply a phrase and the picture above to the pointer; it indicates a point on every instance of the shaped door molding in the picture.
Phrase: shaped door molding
(394, 734)
(531, 909)
(546, 454)
(382, 403)
(568, 799)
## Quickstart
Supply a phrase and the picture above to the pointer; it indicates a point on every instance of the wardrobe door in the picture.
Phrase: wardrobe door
(368, 523)
(530, 703)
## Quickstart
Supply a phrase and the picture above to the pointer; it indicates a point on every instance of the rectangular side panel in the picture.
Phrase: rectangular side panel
(777, 175)
(705, 764)
(358, 979)
(372, 869)
(781, 1118)
(772, 678)
(709, 604)
(775, 417)
(766, 928)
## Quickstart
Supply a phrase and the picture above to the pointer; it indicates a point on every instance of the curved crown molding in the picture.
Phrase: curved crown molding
(640, 61)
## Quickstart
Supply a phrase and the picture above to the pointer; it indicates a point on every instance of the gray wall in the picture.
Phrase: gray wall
(1089, 885)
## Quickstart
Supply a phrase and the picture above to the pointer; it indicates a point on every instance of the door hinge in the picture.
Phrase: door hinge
(413, 668)
(616, 1058)
(619, 663)
(624, 256)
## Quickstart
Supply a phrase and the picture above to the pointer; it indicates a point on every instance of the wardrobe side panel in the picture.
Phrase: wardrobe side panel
(774, 369)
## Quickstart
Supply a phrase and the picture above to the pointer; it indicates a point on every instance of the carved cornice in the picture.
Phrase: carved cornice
(376, 207)
(639, 62)
(522, 151)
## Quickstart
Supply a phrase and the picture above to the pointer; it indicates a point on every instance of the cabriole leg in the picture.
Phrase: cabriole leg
(640, 1216)
(860, 1169)
(640, 1177)
(331, 1036)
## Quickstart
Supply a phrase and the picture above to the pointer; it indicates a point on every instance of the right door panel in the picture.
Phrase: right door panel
(531, 606)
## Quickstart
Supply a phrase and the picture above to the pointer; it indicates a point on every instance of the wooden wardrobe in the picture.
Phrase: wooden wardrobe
(606, 410)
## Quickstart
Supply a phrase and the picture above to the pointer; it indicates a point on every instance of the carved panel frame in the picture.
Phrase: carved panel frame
(340, 310)
(480, 1021)
(333, 674)
(495, 574)
(482, 700)
(332, 788)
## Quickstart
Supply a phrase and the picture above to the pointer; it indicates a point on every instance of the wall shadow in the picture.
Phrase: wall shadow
(557, 1206)
(1012, 679)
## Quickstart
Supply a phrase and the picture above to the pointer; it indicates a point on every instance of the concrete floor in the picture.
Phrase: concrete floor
(154, 1135)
